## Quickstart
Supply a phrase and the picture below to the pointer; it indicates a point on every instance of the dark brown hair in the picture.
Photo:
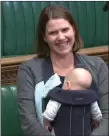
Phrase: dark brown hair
(54, 12)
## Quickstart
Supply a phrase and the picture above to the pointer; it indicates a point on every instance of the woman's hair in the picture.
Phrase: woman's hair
(54, 12)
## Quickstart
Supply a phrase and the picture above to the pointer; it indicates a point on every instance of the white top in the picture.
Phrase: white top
(53, 107)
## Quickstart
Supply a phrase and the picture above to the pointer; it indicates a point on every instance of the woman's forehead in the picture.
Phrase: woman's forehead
(57, 24)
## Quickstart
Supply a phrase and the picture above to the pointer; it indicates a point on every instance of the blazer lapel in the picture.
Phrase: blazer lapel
(47, 69)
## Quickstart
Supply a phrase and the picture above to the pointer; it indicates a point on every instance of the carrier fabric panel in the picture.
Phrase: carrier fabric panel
(10, 120)
(20, 19)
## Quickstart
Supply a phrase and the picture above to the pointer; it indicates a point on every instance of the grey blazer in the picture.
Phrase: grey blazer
(35, 70)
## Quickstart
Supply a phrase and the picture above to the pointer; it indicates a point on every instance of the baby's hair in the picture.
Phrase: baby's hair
(80, 77)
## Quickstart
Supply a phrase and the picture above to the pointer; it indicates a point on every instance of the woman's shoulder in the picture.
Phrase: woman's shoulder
(33, 63)
(95, 60)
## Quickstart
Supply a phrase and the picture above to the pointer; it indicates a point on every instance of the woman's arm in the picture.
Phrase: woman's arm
(102, 130)
(26, 104)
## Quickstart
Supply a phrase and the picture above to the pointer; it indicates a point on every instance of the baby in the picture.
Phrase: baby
(77, 79)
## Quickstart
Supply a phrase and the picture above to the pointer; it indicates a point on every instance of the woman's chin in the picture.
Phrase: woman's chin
(63, 53)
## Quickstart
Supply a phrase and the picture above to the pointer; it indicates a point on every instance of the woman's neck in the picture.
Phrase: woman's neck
(65, 62)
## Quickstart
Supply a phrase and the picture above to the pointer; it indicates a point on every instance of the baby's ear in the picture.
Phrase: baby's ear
(68, 85)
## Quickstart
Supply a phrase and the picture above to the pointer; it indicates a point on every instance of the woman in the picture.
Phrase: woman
(58, 40)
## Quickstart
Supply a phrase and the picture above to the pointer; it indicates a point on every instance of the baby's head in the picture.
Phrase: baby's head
(77, 79)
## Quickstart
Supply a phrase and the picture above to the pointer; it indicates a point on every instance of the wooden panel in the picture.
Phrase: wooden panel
(9, 66)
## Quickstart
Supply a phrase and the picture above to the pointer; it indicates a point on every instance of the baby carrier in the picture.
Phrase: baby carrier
(73, 118)
(80, 109)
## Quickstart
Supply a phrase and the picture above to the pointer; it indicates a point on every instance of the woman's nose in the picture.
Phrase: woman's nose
(60, 36)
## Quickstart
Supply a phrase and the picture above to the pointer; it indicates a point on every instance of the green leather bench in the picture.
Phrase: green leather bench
(10, 121)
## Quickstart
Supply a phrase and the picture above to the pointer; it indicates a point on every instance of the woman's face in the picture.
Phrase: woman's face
(60, 36)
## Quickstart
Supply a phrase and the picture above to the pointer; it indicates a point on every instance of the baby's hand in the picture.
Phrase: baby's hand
(48, 128)
(47, 125)
(94, 124)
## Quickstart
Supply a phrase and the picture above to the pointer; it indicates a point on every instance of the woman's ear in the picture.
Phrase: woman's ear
(44, 37)
(74, 30)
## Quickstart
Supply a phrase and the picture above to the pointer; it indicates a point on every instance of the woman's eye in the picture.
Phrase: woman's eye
(53, 33)
(65, 30)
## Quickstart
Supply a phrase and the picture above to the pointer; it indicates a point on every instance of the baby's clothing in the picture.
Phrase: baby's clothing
(53, 107)
(74, 114)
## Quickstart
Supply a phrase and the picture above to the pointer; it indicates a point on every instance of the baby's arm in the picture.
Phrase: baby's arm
(51, 110)
(96, 115)
(50, 113)
(96, 112)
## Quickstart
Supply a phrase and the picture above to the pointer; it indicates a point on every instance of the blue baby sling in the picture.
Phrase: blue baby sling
(41, 91)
